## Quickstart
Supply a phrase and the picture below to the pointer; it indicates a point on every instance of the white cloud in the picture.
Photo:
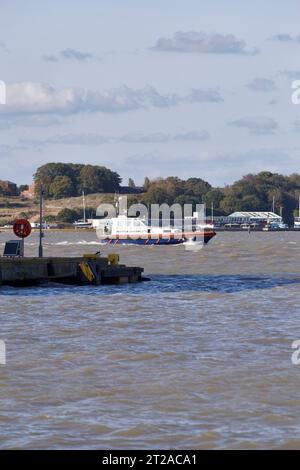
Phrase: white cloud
(92, 139)
(71, 54)
(261, 84)
(256, 125)
(32, 97)
(284, 37)
(88, 139)
(75, 54)
(205, 96)
(37, 98)
(200, 42)
(161, 137)
(39, 120)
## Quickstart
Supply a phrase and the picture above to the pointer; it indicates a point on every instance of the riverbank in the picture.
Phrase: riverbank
(19, 207)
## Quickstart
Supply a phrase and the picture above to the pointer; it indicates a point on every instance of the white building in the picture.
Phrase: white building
(244, 217)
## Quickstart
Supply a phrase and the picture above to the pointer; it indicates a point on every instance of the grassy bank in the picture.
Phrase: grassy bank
(17, 207)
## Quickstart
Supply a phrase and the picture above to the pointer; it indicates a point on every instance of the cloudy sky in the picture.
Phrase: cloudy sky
(156, 88)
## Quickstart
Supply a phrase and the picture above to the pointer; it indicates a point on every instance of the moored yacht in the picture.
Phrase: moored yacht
(83, 223)
(275, 227)
(297, 223)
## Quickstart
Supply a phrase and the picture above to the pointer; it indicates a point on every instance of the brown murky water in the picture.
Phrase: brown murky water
(200, 357)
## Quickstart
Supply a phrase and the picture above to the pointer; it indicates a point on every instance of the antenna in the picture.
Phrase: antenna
(83, 203)
(117, 203)
(41, 223)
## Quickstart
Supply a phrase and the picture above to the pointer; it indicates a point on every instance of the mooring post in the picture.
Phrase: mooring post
(41, 223)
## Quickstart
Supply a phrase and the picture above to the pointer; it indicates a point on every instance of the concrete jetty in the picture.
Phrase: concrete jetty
(89, 269)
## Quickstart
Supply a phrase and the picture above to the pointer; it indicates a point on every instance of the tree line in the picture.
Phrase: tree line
(253, 192)
(61, 180)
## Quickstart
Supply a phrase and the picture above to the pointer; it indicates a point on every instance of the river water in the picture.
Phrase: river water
(199, 357)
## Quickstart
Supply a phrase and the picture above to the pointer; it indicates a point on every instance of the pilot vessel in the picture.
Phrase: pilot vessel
(126, 230)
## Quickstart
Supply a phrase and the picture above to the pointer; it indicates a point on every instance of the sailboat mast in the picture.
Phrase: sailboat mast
(117, 204)
(83, 204)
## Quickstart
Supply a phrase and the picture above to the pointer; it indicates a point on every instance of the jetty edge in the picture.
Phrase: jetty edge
(89, 269)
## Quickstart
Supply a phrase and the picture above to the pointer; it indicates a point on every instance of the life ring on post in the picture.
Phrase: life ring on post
(22, 228)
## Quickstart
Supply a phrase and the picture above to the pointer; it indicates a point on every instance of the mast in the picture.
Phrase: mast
(41, 224)
(83, 204)
(117, 204)
(299, 207)
(212, 212)
(273, 206)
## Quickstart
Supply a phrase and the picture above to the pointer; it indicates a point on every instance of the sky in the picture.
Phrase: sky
(150, 88)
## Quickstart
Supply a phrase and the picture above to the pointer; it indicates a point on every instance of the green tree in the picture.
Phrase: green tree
(46, 174)
(67, 215)
(256, 192)
(91, 178)
(131, 183)
(96, 179)
(213, 196)
(62, 186)
(157, 195)
(196, 187)
(146, 184)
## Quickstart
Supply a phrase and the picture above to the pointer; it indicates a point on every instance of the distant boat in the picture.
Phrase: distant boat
(83, 223)
(297, 219)
(275, 227)
(36, 225)
(297, 223)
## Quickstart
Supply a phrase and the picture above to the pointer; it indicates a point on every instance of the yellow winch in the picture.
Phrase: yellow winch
(113, 258)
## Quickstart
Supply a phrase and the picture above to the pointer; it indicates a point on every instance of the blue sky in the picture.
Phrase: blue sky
(194, 88)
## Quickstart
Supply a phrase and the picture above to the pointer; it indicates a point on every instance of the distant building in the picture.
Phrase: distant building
(244, 217)
(7, 188)
(30, 192)
(254, 218)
